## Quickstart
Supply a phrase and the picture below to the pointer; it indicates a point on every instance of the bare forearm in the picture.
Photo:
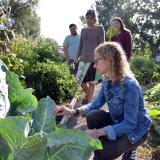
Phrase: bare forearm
(65, 54)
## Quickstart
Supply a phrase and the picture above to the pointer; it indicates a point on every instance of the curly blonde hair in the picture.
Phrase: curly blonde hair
(119, 64)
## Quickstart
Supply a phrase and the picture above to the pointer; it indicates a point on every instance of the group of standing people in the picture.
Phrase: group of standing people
(80, 48)
(125, 125)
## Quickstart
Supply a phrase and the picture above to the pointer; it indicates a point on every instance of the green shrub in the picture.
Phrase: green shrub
(145, 51)
(38, 61)
(37, 50)
(153, 96)
(53, 79)
(145, 69)
(13, 63)
(21, 55)
(45, 49)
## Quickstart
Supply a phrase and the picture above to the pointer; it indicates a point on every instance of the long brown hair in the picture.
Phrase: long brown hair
(119, 64)
(122, 25)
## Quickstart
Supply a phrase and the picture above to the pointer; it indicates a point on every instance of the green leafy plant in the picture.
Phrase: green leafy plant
(39, 138)
(35, 136)
(21, 100)
(13, 63)
(145, 69)
(53, 79)
(155, 115)
(153, 96)
(111, 32)
(3, 19)
(38, 62)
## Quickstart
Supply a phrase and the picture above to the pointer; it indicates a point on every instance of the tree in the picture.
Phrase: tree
(141, 17)
(22, 16)
(108, 9)
(146, 16)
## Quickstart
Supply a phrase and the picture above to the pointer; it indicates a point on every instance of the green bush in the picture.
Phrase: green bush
(21, 55)
(37, 50)
(38, 61)
(13, 63)
(53, 79)
(153, 96)
(45, 49)
(145, 69)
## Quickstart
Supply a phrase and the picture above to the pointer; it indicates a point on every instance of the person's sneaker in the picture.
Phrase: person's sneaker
(130, 155)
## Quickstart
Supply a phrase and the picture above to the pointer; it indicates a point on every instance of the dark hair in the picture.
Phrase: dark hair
(91, 12)
(72, 25)
(122, 25)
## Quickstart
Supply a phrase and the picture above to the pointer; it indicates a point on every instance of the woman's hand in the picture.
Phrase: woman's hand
(96, 133)
(63, 111)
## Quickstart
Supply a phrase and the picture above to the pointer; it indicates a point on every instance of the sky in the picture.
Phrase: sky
(56, 15)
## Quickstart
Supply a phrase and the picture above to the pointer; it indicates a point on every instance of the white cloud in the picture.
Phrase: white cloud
(56, 15)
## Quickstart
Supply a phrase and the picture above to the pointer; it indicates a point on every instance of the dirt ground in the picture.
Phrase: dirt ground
(150, 150)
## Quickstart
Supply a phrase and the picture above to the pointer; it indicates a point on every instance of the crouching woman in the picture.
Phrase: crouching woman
(125, 126)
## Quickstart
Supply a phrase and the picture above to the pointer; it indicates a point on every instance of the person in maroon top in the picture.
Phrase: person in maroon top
(123, 36)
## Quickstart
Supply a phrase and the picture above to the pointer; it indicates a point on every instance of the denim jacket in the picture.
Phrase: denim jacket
(126, 108)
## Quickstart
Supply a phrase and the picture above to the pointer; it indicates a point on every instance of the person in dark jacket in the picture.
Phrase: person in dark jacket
(123, 36)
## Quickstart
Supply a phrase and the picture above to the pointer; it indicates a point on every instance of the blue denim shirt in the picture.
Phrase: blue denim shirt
(126, 108)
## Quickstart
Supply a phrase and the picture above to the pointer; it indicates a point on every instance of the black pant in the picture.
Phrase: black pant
(111, 149)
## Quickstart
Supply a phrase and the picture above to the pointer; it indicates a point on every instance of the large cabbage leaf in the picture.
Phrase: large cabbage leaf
(43, 118)
(71, 144)
(21, 99)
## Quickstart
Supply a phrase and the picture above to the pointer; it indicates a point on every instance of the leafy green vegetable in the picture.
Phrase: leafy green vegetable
(111, 32)
(4, 148)
(59, 144)
(46, 144)
(71, 144)
(44, 119)
(34, 148)
(20, 99)
(154, 113)
(12, 130)
(3, 19)
(153, 95)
